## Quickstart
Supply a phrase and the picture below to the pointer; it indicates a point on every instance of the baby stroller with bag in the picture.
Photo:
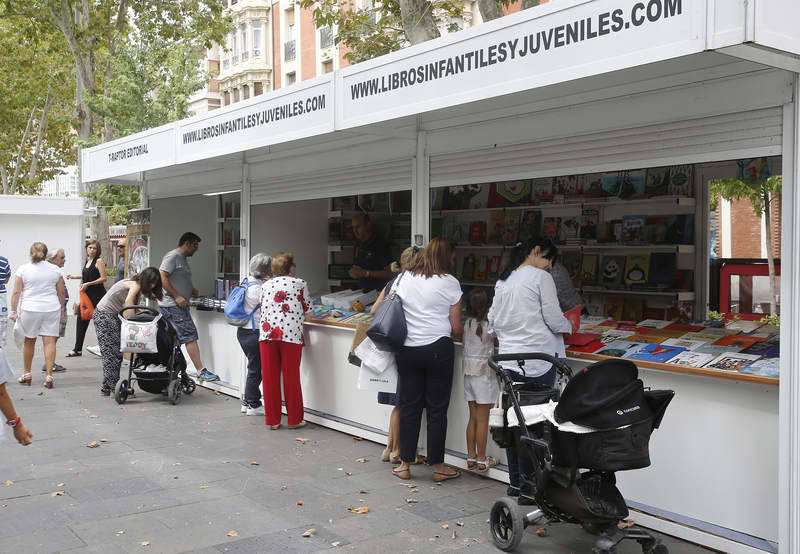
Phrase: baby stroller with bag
(163, 370)
(576, 440)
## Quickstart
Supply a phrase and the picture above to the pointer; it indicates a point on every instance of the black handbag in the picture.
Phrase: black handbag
(388, 328)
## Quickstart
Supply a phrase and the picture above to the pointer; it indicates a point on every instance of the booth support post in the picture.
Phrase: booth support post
(244, 251)
(789, 399)
(420, 193)
(144, 200)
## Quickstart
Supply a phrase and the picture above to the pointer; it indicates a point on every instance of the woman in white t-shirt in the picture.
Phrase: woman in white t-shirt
(41, 287)
(432, 305)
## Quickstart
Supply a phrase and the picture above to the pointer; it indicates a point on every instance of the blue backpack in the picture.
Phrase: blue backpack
(234, 308)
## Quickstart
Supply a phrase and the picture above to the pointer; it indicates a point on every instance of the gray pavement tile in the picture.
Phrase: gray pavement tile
(287, 540)
(118, 488)
(48, 538)
(119, 530)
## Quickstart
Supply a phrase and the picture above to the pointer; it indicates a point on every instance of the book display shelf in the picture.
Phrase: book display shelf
(229, 209)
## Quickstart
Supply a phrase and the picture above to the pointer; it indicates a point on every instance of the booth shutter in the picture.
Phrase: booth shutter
(385, 176)
(758, 132)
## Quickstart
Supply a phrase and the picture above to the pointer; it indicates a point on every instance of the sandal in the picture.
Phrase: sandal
(439, 477)
(420, 460)
(487, 464)
(26, 379)
(471, 463)
(386, 455)
(404, 474)
(74, 354)
(48, 382)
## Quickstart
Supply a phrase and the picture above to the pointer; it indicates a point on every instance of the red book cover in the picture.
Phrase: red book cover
(574, 317)
(593, 346)
(738, 341)
(580, 339)
(684, 327)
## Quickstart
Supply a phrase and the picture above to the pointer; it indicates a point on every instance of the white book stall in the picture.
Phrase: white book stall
(612, 115)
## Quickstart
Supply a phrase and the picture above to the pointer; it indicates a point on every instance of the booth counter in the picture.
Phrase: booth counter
(664, 84)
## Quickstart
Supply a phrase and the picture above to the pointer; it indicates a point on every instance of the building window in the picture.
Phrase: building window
(235, 95)
(227, 97)
(243, 35)
(258, 89)
(235, 45)
(290, 78)
(289, 50)
(256, 38)
(327, 66)
(289, 18)
(245, 92)
(325, 37)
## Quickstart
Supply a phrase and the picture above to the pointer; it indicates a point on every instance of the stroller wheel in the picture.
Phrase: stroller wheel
(189, 386)
(593, 528)
(174, 392)
(657, 548)
(506, 524)
(121, 391)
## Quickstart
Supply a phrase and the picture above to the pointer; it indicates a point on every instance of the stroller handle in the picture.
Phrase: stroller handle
(561, 367)
(138, 307)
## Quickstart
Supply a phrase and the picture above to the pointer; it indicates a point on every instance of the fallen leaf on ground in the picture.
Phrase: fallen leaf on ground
(361, 500)
(361, 510)
(203, 486)
(145, 543)
(60, 485)
(363, 492)
(93, 445)
(299, 502)
(348, 473)
(216, 392)
(411, 501)
(284, 487)
(409, 485)
(254, 463)
(93, 417)
(174, 476)
(121, 532)
(57, 493)
(445, 526)
(454, 534)
(625, 523)
(302, 439)
(103, 440)
(357, 439)
(460, 523)
(335, 544)
(361, 460)
(309, 533)
(233, 533)
(40, 394)
(9, 483)
(541, 531)
(225, 462)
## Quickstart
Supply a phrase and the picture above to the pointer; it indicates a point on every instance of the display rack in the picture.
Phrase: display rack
(228, 245)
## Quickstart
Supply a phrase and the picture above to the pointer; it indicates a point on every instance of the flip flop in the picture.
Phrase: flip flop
(74, 354)
(440, 477)
(404, 474)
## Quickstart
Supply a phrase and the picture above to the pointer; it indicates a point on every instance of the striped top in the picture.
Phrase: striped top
(5, 273)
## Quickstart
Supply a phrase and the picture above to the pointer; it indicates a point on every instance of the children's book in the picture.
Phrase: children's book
(657, 181)
(569, 229)
(647, 338)
(589, 220)
(685, 343)
(654, 323)
(633, 229)
(637, 268)
(620, 347)
(662, 269)
(717, 350)
(685, 327)
(666, 333)
(550, 227)
(624, 184)
(615, 335)
(570, 185)
(681, 180)
(738, 341)
(590, 348)
(497, 227)
(767, 367)
(612, 269)
(593, 185)
(680, 229)
(530, 227)
(744, 326)
(763, 348)
(708, 339)
(589, 269)
(614, 306)
(654, 353)
(543, 190)
(691, 359)
(510, 193)
(511, 228)
(731, 361)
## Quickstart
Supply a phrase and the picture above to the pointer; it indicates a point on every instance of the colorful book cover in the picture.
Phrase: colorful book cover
(738, 341)
(437, 195)
(594, 305)
(624, 184)
(744, 326)
(767, 367)
(590, 348)
(685, 327)
(589, 269)
(569, 228)
(637, 268)
(657, 181)
(632, 308)
(662, 268)
(717, 350)
(766, 331)
(681, 181)
(510, 193)
(691, 359)
(654, 353)
(357, 318)
(497, 227)
(543, 190)
(763, 348)
(599, 329)
(589, 220)
(620, 347)
(580, 339)
(654, 323)
(647, 338)
(731, 361)
(511, 228)
(612, 269)
(614, 306)
(633, 227)
(550, 227)
(701, 337)
(574, 317)
(593, 185)
(592, 319)
(569, 185)
(684, 343)
(613, 335)
(531, 226)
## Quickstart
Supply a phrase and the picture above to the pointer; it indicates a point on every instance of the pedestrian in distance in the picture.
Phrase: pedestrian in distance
(248, 335)
(93, 276)
(123, 242)
(21, 432)
(58, 257)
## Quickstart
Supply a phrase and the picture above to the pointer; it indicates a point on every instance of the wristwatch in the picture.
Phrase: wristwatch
(13, 422)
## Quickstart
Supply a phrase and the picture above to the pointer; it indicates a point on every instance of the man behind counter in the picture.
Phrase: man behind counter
(373, 256)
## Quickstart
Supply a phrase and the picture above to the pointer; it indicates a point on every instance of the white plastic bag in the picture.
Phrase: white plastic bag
(376, 360)
(19, 334)
(383, 382)
(139, 337)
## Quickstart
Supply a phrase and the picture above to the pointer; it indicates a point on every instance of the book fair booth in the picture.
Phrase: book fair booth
(598, 122)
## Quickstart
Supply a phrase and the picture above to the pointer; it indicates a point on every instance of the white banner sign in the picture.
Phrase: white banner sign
(550, 44)
(140, 152)
(299, 112)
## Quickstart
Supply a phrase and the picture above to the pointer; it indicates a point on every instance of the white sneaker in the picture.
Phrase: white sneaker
(245, 408)
(256, 411)
(94, 350)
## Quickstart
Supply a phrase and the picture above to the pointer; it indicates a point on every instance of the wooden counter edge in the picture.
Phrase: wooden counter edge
(331, 324)
(719, 374)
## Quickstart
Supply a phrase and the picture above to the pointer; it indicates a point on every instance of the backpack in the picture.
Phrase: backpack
(234, 308)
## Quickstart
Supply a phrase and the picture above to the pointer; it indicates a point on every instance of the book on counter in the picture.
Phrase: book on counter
(633, 227)
(612, 269)
(589, 269)
(614, 335)
(717, 349)
(590, 348)
(691, 358)
(767, 367)
(731, 361)
(620, 347)
(647, 338)
(624, 184)
(744, 326)
(654, 353)
(685, 343)
(763, 348)
(739, 341)
(654, 323)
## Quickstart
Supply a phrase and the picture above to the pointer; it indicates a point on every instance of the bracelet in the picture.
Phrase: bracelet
(13, 422)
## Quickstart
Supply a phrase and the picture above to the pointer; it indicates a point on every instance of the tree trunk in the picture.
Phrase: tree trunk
(4, 179)
(98, 229)
(119, 27)
(42, 125)
(770, 254)
(530, 4)
(490, 9)
(18, 162)
(418, 22)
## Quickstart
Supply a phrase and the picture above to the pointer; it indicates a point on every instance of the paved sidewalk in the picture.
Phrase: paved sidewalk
(202, 477)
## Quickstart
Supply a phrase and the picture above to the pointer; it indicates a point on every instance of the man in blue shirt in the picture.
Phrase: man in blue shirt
(5, 275)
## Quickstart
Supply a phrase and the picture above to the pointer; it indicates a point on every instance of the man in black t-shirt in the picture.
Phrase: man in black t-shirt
(372, 258)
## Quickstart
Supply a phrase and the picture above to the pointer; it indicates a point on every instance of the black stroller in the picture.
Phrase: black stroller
(606, 396)
(173, 379)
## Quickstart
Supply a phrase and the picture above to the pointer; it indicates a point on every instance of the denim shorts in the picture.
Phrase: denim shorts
(181, 320)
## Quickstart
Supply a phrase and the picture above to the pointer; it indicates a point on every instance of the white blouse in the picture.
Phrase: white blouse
(426, 305)
(477, 349)
(526, 318)
(284, 303)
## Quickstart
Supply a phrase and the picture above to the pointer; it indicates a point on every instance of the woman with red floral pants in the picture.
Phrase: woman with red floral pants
(285, 301)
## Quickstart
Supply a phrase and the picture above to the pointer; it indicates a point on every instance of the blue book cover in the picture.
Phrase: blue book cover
(663, 267)
(763, 348)
(655, 353)
(717, 349)
(768, 367)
